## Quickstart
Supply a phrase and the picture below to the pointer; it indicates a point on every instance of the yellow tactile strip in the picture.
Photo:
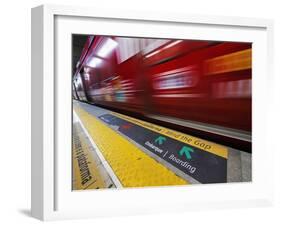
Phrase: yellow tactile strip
(131, 165)
(85, 170)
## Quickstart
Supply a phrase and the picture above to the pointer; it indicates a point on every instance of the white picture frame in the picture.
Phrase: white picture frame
(52, 197)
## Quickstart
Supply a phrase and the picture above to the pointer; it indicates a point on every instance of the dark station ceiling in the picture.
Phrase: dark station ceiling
(78, 42)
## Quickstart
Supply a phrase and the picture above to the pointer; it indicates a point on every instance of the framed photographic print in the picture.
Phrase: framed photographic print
(134, 112)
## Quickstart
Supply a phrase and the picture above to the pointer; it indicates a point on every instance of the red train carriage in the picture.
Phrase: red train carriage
(203, 82)
(210, 84)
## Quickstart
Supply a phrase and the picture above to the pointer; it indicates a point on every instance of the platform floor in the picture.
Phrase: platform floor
(88, 170)
(122, 151)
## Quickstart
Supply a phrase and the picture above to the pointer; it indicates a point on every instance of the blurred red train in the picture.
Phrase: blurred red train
(204, 84)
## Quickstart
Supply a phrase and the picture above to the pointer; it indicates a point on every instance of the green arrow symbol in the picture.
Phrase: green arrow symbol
(186, 150)
(160, 140)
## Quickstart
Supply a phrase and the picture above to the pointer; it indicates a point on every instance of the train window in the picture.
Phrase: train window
(232, 89)
(186, 79)
(87, 76)
(94, 86)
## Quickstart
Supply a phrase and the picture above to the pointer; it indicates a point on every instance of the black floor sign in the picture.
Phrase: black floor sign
(201, 165)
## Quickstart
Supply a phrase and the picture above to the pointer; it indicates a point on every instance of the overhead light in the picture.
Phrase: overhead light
(165, 47)
(172, 44)
(107, 47)
(94, 62)
(78, 64)
(153, 53)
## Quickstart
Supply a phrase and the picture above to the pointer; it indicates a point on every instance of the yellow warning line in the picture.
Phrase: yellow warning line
(85, 170)
(132, 166)
(196, 142)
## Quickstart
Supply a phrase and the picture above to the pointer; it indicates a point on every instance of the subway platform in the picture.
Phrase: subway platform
(113, 150)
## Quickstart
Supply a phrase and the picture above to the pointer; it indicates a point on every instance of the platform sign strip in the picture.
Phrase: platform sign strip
(190, 140)
(202, 165)
(85, 172)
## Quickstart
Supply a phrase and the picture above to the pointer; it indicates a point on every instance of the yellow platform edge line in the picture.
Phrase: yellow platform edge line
(191, 140)
(133, 167)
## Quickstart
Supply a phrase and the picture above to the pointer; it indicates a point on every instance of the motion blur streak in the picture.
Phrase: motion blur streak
(205, 82)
